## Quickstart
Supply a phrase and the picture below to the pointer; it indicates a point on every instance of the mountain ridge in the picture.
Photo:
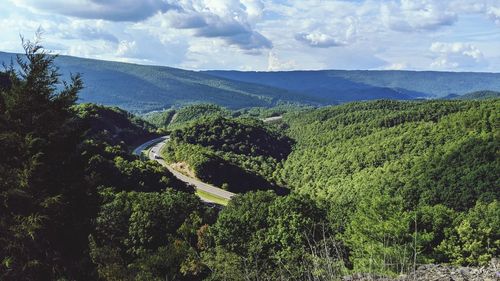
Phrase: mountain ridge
(145, 88)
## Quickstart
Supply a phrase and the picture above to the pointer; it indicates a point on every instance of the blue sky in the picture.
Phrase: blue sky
(451, 35)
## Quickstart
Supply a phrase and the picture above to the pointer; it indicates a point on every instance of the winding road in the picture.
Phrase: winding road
(153, 154)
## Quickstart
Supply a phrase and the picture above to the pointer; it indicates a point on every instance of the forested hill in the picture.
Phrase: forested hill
(143, 88)
(343, 85)
(439, 152)
(114, 125)
(480, 95)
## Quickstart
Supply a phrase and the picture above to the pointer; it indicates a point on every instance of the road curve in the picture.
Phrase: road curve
(156, 146)
(272, 119)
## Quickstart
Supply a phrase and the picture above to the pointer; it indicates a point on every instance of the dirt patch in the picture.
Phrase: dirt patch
(183, 168)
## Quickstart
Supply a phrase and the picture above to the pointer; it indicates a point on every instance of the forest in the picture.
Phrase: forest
(366, 187)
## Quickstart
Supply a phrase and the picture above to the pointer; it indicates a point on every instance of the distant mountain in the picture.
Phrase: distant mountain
(143, 88)
(479, 95)
(343, 85)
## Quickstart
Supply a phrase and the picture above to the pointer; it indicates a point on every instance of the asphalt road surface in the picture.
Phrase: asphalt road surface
(154, 154)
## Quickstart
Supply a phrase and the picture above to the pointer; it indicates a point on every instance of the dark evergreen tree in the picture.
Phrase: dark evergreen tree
(46, 205)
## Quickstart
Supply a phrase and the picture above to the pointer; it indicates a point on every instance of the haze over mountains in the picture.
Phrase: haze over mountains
(143, 88)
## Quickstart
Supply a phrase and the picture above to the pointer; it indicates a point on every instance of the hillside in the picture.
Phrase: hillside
(237, 154)
(403, 147)
(342, 85)
(143, 88)
(479, 95)
(114, 125)
(380, 185)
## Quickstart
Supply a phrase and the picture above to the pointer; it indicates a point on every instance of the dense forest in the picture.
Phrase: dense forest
(170, 119)
(236, 154)
(388, 170)
(375, 187)
(400, 183)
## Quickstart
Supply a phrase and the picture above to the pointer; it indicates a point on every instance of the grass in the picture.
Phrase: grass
(212, 198)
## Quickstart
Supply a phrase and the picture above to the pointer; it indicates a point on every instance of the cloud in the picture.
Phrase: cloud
(265, 34)
(112, 10)
(396, 66)
(494, 14)
(456, 55)
(231, 20)
(126, 48)
(417, 15)
(318, 40)
(84, 30)
(275, 64)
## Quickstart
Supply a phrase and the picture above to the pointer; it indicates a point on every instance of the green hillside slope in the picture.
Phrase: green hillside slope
(143, 88)
(344, 85)
(440, 152)
(479, 95)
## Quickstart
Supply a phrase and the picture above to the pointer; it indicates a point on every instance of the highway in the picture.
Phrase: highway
(154, 154)
(272, 119)
(147, 144)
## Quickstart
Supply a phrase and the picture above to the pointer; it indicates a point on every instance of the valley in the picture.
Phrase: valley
(259, 187)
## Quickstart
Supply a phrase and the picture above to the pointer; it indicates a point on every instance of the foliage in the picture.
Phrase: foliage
(377, 187)
(44, 197)
(55, 157)
(261, 236)
(160, 119)
(428, 159)
(262, 112)
(474, 238)
(242, 136)
(148, 236)
(429, 152)
(245, 149)
(479, 95)
(196, 111)
(378, 235)
(114, 125)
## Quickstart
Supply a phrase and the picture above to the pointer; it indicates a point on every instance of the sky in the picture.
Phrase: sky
(265, 35)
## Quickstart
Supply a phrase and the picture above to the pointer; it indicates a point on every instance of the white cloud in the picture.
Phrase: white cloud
(494, 14)
(318, 39)
(455, 55)
(126, 48)
(231, 20)
(397, 66)
(275, 64)
(265, 34)
(84, 30)
(417, 15)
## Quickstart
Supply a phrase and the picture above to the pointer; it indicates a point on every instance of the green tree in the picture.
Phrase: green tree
(44, 197)
(474, 238)
(148, 236)
(378, 235)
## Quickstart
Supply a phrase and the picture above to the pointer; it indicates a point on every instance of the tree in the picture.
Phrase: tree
(378, 235)
(46, 206)
(474, 238)
(148, 236)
